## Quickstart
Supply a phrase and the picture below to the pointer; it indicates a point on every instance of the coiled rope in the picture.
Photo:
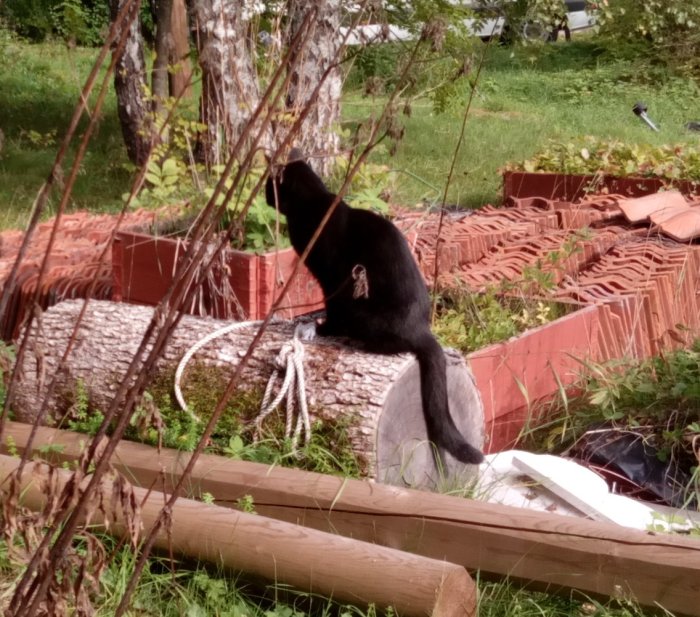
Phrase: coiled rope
(289, 359)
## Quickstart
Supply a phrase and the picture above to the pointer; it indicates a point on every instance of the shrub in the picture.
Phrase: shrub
(669, 28)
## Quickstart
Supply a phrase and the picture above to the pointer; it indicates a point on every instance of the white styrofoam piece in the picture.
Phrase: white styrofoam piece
(583, 489)
(550, 483)
(500, 482)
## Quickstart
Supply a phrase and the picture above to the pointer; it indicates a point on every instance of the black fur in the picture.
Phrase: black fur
(391, 313)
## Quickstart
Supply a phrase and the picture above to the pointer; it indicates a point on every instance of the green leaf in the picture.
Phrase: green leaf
(170, 167)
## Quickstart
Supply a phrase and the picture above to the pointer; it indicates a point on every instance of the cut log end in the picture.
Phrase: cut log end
(404, 456)
(456, 597)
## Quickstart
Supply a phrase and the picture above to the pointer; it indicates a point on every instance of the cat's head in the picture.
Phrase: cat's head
(293, 185)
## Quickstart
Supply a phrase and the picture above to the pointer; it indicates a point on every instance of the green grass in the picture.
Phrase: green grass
(657, 399)
(39, 88)
(173, 589)
(525, 97)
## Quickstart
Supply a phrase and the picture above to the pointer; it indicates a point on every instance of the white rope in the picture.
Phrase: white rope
(291, 358)
(194, 349)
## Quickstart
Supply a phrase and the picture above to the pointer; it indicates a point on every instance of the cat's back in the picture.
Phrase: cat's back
(377, 233)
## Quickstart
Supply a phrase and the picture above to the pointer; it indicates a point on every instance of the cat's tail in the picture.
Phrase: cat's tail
(442, 431)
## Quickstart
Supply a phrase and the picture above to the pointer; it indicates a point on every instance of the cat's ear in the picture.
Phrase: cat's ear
(295, 155)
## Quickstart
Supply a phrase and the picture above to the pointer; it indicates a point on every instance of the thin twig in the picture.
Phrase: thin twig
(453, 163)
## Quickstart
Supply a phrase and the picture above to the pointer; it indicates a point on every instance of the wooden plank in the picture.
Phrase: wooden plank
(314, 561)
(550, 550)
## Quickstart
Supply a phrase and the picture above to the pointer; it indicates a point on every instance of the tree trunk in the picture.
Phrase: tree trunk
(159, 79)
(130, 86)
(378, 394)
(179, 59)
(172, 70)
(317, 138)
(230, 91)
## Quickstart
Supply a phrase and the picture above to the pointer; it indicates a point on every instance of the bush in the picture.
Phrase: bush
(669, 28)
(83, 21)
(590, 155)
(30, 19)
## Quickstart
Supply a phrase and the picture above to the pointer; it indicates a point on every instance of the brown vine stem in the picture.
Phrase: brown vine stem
(166, 317)
(453, 163)
(28, 580)
(136, 186)
(163, 516)
(67, 191)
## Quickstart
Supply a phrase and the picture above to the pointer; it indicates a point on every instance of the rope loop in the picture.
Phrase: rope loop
(290, 359)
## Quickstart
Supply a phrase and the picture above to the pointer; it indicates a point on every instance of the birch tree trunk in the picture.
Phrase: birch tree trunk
(377, 397)
(317, 138)
(230, 92)
(130, 87)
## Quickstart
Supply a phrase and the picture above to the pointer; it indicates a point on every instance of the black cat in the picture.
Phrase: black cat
(373, 290)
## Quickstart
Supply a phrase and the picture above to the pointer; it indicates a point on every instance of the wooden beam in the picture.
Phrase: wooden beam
(547, 549)
(333, 566)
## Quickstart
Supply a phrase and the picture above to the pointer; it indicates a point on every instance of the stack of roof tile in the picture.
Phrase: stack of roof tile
(466, 237)
(74, 266)
(555, 253)
(671, 213)
(650, 287)
(646, 286)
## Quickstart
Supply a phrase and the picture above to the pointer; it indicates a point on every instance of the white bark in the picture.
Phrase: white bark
(230, 92)
(318, 137)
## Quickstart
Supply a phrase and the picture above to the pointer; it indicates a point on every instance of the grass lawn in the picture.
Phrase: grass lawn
(525, 97)
(39, 87)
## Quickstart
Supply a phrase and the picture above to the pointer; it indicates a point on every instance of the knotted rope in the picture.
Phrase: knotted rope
(290, 359)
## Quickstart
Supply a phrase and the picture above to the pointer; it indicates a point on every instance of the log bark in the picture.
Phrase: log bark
(380, 395)
(314, 561)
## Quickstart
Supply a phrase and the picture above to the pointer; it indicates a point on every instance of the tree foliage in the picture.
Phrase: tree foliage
(668, 29)
(84, 22)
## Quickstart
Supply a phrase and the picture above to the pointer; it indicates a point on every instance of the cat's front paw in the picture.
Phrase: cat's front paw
(305, 331)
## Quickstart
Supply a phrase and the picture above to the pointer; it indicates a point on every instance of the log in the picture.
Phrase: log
(334, 566)
(538, 549)
(378, 396)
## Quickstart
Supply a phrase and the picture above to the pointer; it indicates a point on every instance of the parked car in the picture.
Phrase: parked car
(491, 23)
(578, 17)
